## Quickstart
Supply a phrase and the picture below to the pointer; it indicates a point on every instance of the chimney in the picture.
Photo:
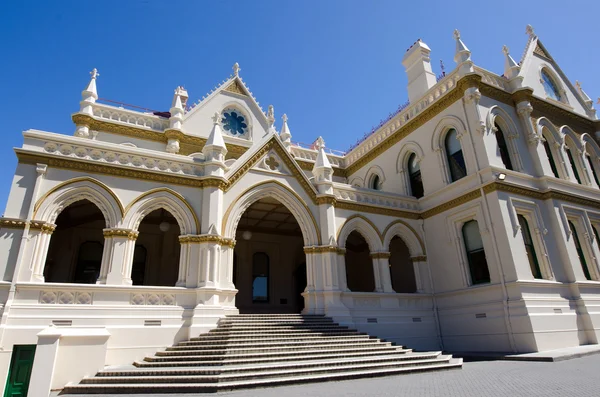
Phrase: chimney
(418, 69)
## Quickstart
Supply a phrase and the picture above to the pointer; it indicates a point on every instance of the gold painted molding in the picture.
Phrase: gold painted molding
(419, 258)
(318, 249)
(11, 223)
(380, 255)
(326, 200)
(465, 198)
(44, 227)
(206, 238)
(344, 205)
(127, 233)
(308, 166)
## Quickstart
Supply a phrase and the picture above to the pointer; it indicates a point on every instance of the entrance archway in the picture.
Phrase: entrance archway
(269, 269)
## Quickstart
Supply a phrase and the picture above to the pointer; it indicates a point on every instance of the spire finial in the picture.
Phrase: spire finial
(456, 34)
(320, 143)
(271, 115)
(216, 118)
(236, 69)
(529, 31)
(578, 84)
(598, 103)
(505, 50)
(94, 73)
(284, 118)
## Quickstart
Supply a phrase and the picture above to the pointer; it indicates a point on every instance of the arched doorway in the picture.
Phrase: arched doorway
(359, 265)
(157, 250)
(267, 268)
(402, 272)
(75, 250)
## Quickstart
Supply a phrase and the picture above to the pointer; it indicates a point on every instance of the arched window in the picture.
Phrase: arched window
(260, 278)
(529, 247)
(550, 86)
(375, 182)
(414, 174)
(359, 265)
(503, 148)
(582, 261)
(478, 267)
(550, 158)
(402, 271)
(573, 164)
(456, 161)
(592, 169)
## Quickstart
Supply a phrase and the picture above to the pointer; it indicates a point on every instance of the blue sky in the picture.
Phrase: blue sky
(333, 66)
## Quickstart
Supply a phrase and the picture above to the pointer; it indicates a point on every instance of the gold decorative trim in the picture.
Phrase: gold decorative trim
(206, 238)
(44, 227)
(419, 258)
(236, 88)
(540, 51)
(326, 200)
(166, 190)
(11, 223)
(72, 181)
(308, 166)
(363, 218)
(127, 233)
(465, 198)
(414, 232)
(318, 249)
(470, 80)
(344, 205)
(174, 134)
(380, 255)
(300, 200)
(341, 251)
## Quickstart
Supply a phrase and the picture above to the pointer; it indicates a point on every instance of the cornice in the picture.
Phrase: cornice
(331, 200)
(468, 81)
(376, 210)
(308, 166)
(465, 198)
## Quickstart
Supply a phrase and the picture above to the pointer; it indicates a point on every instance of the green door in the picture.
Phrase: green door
(20, 371)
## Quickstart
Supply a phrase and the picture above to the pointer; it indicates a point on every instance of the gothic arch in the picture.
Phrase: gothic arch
(405, 232)
(357, 181)
(590, 146)
(286, 196)
(374, 170)
(568, 132)
(363, 226)
(499, 117)
(164, 198)
(407, 149)
(446, 124)
(49, 206)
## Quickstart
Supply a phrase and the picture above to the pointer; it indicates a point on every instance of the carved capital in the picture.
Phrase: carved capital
(380, 255)
(319, 249)
(419, 258)
(524, 109)
(44, 227)
(472, 95)
(9, 223)
(125, 233)
(326, 200)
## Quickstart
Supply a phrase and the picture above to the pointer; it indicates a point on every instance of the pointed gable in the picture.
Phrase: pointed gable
(244, 123)
(543, 74)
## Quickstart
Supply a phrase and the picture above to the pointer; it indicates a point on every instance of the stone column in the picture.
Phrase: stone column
(381, 269)
(420, 268)
(226, 269)
(41, 233)
(341, 263)
(116, 270)
(537, 152)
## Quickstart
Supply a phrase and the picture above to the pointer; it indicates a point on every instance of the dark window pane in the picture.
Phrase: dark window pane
(456, 161)
(550, 158)
(580, 254)
(414, 170)
(260, 277)
(503, 148)
(478, 267)
(529, 247)
(591, 163)
(573, 165)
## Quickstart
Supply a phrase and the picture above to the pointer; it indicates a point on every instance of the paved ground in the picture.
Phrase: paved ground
(578, 377)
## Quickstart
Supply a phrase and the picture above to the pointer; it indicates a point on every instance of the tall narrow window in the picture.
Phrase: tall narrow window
(550, 158)
(260, 277)
(375, 182)
(456, 160)
(414, 173)
(580, 254)
(596, 235)
(529, 247)
(478, 267)
(591, 163)
(503, 148)
(573, 165)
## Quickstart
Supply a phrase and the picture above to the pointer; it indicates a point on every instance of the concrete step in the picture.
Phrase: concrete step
(140, 388)
(227, 360)
(275, 333)
(293, 342)
(284, 338)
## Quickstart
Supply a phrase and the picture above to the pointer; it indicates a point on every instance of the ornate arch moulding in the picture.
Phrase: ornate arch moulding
(365, 227)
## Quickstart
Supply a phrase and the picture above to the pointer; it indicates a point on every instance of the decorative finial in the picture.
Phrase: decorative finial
(505, 50)
(236, 69)
(578, 84)
(529, 31)
(284, 118)
(94, 73)
(456, 34)
(442, 68)
(271, 115)
(320, 143)
(216, 118)
(598, 103)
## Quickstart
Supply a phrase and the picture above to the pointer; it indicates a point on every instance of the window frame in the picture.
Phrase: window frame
(583, 261)
(470, 254)
(534, 263)
(452, 173)
(413, 175)
(503, 148)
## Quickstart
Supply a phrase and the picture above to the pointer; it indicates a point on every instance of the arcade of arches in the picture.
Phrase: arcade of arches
(269, 264)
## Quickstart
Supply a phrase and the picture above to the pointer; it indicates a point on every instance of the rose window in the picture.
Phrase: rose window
(234, 123)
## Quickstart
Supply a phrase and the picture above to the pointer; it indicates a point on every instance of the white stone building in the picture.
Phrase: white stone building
(468, 221)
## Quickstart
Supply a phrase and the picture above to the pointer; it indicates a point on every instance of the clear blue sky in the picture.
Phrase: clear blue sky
(333, 66)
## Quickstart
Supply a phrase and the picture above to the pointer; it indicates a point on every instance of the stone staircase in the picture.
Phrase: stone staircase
(256, 350)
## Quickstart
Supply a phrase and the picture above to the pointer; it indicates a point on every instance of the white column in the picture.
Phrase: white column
(341, 264)
(41, 244)
(184, 255)
(376, 272)
(381, 262)
(420, 267)
(122, 247)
